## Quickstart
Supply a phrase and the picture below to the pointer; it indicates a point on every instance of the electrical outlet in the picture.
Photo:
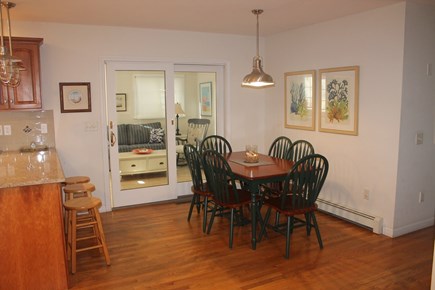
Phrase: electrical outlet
(7, 130)
(44, 129)
(421, 197)
(366, 194)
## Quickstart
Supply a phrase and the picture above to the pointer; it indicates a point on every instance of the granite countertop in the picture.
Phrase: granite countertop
(30, 168)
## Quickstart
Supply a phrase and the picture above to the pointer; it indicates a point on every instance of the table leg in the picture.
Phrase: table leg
(253, 187)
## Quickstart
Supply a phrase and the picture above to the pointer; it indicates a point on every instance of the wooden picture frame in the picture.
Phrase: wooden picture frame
(338, 108)
(121, 102)
(300, 100)
(75, 97)
(205, 97)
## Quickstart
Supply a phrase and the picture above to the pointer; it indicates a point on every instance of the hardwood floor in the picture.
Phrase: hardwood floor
(154, 247)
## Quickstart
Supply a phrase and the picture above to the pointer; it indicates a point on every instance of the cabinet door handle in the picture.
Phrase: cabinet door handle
(161, 163)
(133, 165)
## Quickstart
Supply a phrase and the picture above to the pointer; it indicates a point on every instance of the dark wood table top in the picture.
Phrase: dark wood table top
(267, 167)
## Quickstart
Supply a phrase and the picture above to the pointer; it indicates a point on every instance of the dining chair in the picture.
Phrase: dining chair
(299, 149)
(302, 186)
(216, 143)
(226, 195)
(199, 187)
(280, 147)
(196, 132)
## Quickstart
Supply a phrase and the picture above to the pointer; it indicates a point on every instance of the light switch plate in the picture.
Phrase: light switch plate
(44, 129)
(419, 138)
(7, 130)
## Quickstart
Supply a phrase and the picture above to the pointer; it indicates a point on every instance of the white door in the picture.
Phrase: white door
(139, 98)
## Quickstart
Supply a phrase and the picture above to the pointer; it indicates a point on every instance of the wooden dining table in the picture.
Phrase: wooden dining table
(266, 170)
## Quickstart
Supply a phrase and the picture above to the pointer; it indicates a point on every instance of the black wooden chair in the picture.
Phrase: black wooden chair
(199, 188)
(280, 147)
(216, 143)
(298, 197)
(226, 195)
(299, 149)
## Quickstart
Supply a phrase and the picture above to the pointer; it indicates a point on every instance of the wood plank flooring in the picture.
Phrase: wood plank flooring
(154, 247)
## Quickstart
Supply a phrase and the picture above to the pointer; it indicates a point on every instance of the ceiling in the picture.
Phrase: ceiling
(215, 16)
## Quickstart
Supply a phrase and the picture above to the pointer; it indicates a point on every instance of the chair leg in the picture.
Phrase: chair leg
(277, 218)
(316, 227)
(231, 228)
(101, 236)
(204, 221)
(308, 223)
(266, 220)
(73, 241)
(198, 203)
(287, 237)
(213, 213)
(192, 203)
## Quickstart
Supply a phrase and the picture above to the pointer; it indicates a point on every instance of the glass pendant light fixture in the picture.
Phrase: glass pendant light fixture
(10, 66)
(257, 78)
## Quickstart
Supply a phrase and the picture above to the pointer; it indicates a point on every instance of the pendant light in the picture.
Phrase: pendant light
(257, 78)
(10, 66)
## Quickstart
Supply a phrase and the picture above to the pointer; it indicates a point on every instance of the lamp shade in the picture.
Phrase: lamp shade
(179, 109)
(257, 78)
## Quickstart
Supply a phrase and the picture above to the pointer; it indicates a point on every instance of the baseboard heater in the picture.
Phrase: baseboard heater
(372, 222)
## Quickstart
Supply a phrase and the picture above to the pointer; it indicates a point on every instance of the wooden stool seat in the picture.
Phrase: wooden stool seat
(77, 179)
(78, 190)
(92, 220)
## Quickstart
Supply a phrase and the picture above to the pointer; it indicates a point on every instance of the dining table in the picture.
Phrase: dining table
(267, 170)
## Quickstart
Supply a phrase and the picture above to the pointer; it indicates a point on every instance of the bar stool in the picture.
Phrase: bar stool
(75, 190)
(78, 190)
(93, 221)
(76, 179)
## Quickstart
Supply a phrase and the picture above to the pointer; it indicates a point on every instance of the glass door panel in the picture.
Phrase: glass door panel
(142, 151)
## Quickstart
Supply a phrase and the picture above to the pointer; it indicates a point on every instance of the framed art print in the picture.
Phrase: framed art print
(75, 97)
(300, 95)
(205, 95)
(121, 102)
(339, 100)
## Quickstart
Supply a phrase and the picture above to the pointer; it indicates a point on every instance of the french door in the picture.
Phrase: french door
(140, 97)
(140, 100)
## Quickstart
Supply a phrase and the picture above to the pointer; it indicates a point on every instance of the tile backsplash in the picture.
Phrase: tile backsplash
(19, 129)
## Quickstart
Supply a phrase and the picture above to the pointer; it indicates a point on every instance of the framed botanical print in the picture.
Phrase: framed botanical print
(300, 95)
(205, 94)
(338, 109)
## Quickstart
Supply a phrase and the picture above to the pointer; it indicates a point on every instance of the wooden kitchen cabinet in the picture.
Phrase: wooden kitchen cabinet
(27, 96)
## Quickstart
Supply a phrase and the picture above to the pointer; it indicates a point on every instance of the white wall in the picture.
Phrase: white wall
(373, 40)
(416, 172)
(73, 53)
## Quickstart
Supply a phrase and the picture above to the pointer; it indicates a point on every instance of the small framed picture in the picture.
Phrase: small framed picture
(300, 96)
(121, 102)
(339, 100)
(205, 95)
(75, 97)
